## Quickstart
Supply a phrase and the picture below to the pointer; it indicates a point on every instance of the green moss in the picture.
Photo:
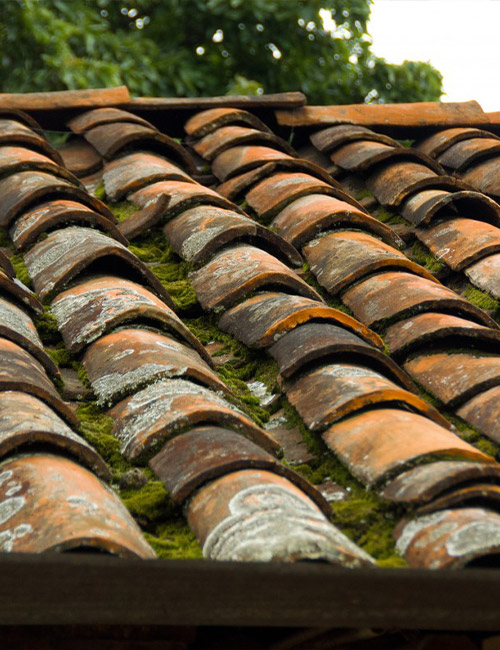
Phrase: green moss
(406, 143)
(21, 270)
(60, 356)
(122, 209)
(480, 298)
(57, 138)
(487, 447)
(363, 194)
(149, 504)
(5, 241)
(46, 325)
(424, 257)
(175, 541)
(389, 218)
(100, 191)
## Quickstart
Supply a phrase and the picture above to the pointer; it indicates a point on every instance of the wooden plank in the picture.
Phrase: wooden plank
(276, 100)
(95, 590)
(65, 99)
(417, 115)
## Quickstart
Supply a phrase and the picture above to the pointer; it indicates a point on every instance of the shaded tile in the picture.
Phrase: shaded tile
(208, 121)
(398, 295)
(314, 341)
(480, 495)
(14, 159)
(198, 233)
(482, 412)
(380, 443)
(484, 176)
(437, 143)
(53, 214)
(226, 514)
(146, 420)
(25, 421)
(461, 242)
(428, 329)
(19, 293)
(225, 137)
(123, 362)
(361, 156)
(456, 377)
(450, 539)
(426, 482)
(5, 263)
(235, 187)
(94, 307)
(330, 392)
(261, 320)
(236, 271)
(23, 190)
(335, 136)
(19, 371)
(340, 259)
(206, 453)
(295, 450)
(486, 274)
(66, 253)
(13, 132)
(304, 218)
(462, 154)
(135, 170)
(80, 157)
(52, 504)
(96, 117)
(238, 160)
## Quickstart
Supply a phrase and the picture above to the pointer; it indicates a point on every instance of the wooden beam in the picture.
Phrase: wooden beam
(65, 99)
(277, 100)
(84, 589)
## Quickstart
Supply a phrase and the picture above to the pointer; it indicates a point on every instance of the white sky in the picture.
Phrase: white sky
(461, 38)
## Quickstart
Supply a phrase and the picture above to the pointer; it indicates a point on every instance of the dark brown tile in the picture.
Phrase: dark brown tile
(463, 154)
(231, 136)
(339, 259)
(145, 421)
(361, 156)
(239, 270)
(397, 295)
(335, 136)
(482, 412)
(13, 132)
(90, 119)
(380, 443)
(66, 253)
(19, 293)
(225, 514)
(53, 504)
(26, 421)
(238, 160)
(437, 143)
(261, 320)
(214, 118)
(235, 188)
(80, 157)
(121, 363)
(456, 377)
(486, 274)
(480, 495)
(331, 392)
(426, 482)
(5, 263)
(484, 176)
(304, 218)
(48, 216)
(94, 307)
(314, 341)
(14, 159)
(198, 233)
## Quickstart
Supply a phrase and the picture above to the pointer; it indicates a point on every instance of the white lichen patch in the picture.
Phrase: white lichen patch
(261, 392)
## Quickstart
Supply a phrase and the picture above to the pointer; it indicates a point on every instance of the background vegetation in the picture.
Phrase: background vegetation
(204, 47)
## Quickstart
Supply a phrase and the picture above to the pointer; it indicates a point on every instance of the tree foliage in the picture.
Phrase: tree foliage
(204, 47)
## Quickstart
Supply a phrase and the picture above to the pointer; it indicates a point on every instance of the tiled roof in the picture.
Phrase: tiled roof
(354, 282)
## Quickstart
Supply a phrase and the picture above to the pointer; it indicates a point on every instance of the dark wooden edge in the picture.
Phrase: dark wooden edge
(98, 590)
(293, 99)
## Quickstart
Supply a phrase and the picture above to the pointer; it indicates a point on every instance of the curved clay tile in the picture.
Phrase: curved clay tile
(482, 412)
(238, 160)
(54, 214)
(472, 496)
(94, 307)
(463, 154)
(427, 482)
(14, 159)
(237, 186)
(236, 271)
(450, 539)
(52, 504)
(460, 242)
(455, 378)
(335, 136)
(339, 259)
(135, 170)
(22, 117)
(331, 392)
(273, 194)
(6, 265)
(396, 295)
(425, 330)
(145, 421)
(485, 274)
(361, 156)
(437, 143)
(20, 371)
(17, 326)
(206, 453)
(198, 233)
(122, 362)
(231, 136)
(80, 157)
(26, 421)
(485, 177)
(214, 118)
(263, 319)
(225, 514)
(23, 190)
(304, 218)
(66, 253)
(19, 293)
(13, 132)
(99, 116)
(421, 208)
(112, 139)
(323, 341)
(380, 443)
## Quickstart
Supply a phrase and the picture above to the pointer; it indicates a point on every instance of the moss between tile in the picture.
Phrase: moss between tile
(422, 255)
(480, 298)
(122, 210)
(21, 270)
(389, 218)
(100, 191)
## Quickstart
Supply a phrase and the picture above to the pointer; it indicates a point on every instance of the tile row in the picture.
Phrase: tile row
(384, 432)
